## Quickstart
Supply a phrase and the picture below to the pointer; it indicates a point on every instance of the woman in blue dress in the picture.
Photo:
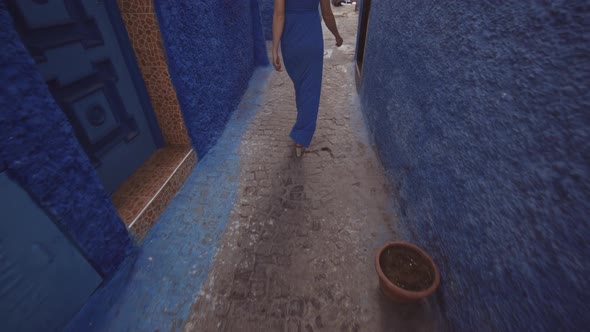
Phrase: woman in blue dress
(297, 26)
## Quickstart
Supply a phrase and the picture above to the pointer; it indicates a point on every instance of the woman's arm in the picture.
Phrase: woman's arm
(278, 23)
(330, 20)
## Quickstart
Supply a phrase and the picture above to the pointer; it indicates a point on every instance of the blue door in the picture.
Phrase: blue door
(44, 280)
(83, 52)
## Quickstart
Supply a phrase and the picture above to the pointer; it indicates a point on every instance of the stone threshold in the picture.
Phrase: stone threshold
(142, 199)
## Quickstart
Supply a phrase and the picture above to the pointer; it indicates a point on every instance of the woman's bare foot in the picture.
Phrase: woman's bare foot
(299, 150)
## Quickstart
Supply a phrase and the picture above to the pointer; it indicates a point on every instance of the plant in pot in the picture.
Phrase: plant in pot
(406, 273)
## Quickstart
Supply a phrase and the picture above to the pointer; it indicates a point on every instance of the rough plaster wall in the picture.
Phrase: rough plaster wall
(41, 153)
(212, 49)
(481, 114)
(266, 13)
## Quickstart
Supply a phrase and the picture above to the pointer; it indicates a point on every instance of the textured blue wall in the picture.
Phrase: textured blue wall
(481, 114)
(41, 153)
(212, 49)
(266, 13)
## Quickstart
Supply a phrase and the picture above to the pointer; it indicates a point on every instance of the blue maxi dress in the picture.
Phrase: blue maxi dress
(302, 45)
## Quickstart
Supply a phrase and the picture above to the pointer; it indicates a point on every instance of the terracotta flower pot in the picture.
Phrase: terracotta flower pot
(423, 282)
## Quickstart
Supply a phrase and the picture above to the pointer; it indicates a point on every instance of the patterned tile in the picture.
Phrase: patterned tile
(144, 33)
(166, 107)
(136, 6)
(149, 217)
(150, 180)
(145, 38)
(156, 179)
(131, 207)
(184, 171)
(168, 157)
(146, 194)
(144, 182)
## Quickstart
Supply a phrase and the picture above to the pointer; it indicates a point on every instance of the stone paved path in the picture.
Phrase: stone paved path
(297, 254)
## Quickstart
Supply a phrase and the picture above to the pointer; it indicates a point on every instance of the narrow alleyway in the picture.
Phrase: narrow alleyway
(258, 240)
(297, 254)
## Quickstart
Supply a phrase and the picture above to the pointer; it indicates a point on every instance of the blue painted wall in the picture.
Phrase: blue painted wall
(156, 287)
(40, 152)
(266, 13)
(212, 49)
(481, 114)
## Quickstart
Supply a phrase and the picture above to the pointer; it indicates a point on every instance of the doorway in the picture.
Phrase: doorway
(82, 50)
(362, 39)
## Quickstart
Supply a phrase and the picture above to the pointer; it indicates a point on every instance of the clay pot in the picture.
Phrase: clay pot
(399, 294)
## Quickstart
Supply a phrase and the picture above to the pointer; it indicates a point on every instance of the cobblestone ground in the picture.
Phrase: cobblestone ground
(297, 254)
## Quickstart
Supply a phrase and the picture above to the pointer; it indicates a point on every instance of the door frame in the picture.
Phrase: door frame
(122, 35)
(361, 43)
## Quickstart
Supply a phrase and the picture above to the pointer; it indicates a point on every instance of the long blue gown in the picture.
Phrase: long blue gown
(302, 45)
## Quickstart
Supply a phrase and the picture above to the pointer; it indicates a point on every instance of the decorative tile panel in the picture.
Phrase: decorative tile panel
(144, 197)
(144, 33)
